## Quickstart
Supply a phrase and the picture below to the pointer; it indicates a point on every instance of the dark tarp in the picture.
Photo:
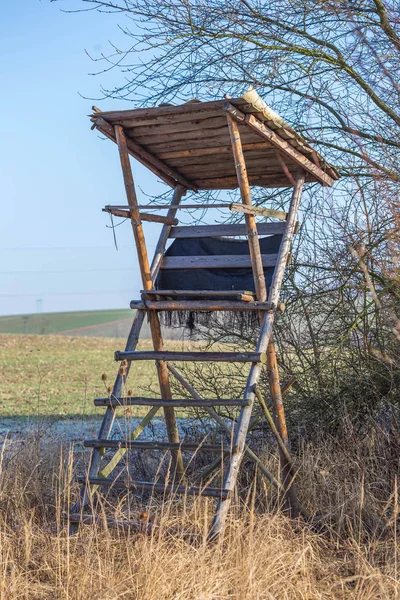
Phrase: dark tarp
(240, 279)
(214, 279)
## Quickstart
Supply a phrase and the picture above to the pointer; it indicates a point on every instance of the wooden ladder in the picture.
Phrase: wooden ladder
(152, 301)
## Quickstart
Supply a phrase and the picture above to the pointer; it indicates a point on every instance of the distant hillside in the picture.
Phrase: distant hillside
(90, 323)
(59, 322)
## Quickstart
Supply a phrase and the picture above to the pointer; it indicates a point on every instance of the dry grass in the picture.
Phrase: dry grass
(263, 555)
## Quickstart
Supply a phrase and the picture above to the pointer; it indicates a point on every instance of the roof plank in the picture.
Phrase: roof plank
(145, 157)
(211, 151)
(281, 144)
(190, 144)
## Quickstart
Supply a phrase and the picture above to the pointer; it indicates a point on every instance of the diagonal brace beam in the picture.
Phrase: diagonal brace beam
(168, 174)
(284, 147)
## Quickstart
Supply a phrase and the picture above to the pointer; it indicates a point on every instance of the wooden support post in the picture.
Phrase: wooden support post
(261, 295)
(155, 326)
(255, 371)
(286, 464)
(252, 235)
(273, 427)
(132, 341)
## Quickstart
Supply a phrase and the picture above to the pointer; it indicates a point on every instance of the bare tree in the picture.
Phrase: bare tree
(331, 68)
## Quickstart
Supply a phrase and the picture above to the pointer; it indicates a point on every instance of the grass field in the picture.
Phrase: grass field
(347, 550)
(55, 322)
(52, 375)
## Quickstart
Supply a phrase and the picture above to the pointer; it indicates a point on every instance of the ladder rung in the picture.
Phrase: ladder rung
(135, 445)
(129, 524)
(242, 357)
(139, 401)
(154, 487)
(200, 231)
(226, 261)
(201, 305)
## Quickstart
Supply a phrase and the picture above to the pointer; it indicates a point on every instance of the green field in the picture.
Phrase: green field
(55, 322)
(59, 376)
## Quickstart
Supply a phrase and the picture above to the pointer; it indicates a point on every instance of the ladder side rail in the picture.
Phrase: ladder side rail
(133, 338)
(107, 422)
(132, 341)
(154, 321)
(251, 226)
(255, 371)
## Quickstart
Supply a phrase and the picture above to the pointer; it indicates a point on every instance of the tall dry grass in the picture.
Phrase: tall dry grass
(350, 550)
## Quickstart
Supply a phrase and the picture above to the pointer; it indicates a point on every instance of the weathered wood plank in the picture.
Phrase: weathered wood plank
(251, 225)
(201, 305)
(148, 129)
(180, 118)
(126, 214)
(260, 167)
(136, 445)
(200, 231)
(245, 357)
(230, 183)
(198, 108)
(176, 118)
(155, 327)
(260, 211)
(176, 403)
(148, 136)
(254, 158)
(197, 152)
(184, 142)
(205, 142)
(215, 262)
(205, 293)
(133, 485)
(287, 149)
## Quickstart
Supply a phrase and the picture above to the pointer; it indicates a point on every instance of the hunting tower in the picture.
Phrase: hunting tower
(231, 268)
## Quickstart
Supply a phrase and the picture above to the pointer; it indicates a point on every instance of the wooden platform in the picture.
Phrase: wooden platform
(190, 144)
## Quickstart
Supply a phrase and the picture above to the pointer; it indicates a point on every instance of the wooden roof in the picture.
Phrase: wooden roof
(190, 144)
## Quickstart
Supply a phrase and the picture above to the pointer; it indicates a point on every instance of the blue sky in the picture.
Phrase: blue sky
(55, 173)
